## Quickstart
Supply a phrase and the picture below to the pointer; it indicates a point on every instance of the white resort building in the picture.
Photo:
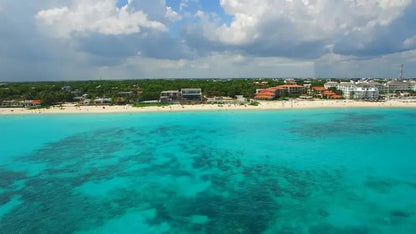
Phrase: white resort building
(359, 90)
(393, 86)
(347, 88)
(330, 84)
(365, 93)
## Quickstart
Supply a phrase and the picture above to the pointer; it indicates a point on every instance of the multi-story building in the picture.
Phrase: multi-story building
(293, 88)
(169, 96)
(266, 94)
(413, 85)
(9, 103)
(381, 87)
(191, 95)
(330, 84)
(279, 91)
(393, 86)
(346, 88)
(365, 93)
(360, 90)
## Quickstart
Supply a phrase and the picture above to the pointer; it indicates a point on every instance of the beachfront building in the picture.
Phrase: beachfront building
(278, 91)
(169, 96)
(149, 102)
(365, 93)
(293, 88)
(380, 86)
(226, 100)
(85, 101)
(413, 85)
(34, 103)
(9, 103)
(322, 92)
(331, 95)
(318, 91)
(30, 103)
(102, 101)
(308, 88)
(220, 100)
(266, 94)
(240, 99)
(350, 90)
(191, 95)
(24, 103)
(330, 84)
(394, 86)
(347, 89)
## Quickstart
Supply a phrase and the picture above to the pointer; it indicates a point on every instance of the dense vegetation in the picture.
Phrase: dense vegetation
(58, 92)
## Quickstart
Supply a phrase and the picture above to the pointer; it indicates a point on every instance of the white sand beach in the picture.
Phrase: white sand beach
(264, 105)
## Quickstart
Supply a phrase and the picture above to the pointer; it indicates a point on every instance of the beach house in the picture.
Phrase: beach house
(35, 103)
(9, 103)
(102, 101)
(240, 99)
(30, 103)
(191, 95)
(220, 100)
(169, 96)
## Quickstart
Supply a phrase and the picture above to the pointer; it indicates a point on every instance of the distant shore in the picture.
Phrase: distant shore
(263, 105)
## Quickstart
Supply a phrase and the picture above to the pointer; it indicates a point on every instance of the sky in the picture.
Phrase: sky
(136, 39)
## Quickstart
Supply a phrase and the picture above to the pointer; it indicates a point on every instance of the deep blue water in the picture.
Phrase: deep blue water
(304, 171)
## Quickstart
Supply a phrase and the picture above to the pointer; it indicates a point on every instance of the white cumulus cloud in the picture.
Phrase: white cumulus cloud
(172, 15)
(95, 16)
(304, 20)
(185, 4)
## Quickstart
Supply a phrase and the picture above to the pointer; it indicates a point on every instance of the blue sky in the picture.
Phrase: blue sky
(128, 39)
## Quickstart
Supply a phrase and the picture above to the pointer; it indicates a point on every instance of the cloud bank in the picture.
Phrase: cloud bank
(91, 16)
(88, 39)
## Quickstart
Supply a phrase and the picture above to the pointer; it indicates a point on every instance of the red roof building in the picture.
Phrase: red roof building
(35, 102)
(318, 89)
(273, 92)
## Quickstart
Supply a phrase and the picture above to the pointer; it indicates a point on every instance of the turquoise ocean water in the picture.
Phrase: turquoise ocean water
(304, 171)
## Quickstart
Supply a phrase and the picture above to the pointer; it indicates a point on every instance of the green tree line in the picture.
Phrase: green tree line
(57, 92)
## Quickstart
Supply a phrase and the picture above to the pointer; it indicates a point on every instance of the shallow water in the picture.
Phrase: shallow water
(303, 171)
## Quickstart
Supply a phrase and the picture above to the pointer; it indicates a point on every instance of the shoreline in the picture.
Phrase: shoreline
(264, 105)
